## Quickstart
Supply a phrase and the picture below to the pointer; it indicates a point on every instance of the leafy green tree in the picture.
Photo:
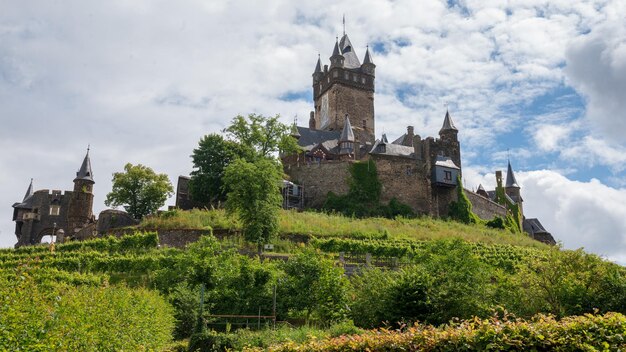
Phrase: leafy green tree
(139, 189)
(213, 155)
(265, 135)
(313, 287)
(255, 197)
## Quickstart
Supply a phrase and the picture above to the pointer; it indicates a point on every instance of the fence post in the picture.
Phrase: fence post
(342, 258)
(368, 259)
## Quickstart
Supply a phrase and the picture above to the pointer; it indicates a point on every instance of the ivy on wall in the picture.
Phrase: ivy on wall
(363, 198)
(461, 210)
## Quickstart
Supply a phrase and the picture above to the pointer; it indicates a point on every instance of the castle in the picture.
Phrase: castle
(419, 172)
(54, 213)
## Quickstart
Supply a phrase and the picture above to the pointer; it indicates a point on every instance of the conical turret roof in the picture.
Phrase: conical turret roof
(448, 125)
(351, 60)
(318, 67)
(368, 58)
(510, 177)
(85, 173)
(29, 191)
(336, 51)
(347, 135)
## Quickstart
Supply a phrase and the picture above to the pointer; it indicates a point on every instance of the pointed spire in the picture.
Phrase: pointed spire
(347, 135)
(447, 123)
(480, 188)
(336, 51)
(318, 67)
(510, 177)
(344, 24)
(29, 191)
(368, 58)
(84, 173)
(347, 50)
(384, 139)
(294, 128)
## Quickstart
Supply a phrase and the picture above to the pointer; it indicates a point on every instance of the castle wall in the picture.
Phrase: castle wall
(483, 207)
(402, 179)
(319, 179)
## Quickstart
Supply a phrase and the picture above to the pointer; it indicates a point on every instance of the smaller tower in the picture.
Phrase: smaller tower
(346, 141)
(368, 65)
(317, 74)
(512, 188)
(448, 135)
(80, 210)
(336, 59)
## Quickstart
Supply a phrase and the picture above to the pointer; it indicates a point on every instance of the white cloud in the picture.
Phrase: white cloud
(596, 66)
(578, 214)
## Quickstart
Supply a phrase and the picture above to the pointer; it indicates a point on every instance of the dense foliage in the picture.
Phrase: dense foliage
(213, 155)
(542, 333)
(139, 189)
(49, 316)
(432, 281)
(254, 196)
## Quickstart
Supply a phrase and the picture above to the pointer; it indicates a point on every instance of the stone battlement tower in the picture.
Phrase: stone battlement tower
(345, 89)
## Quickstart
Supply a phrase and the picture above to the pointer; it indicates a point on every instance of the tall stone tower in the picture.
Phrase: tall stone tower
(449, 141)
(346, 88)
(80, 210)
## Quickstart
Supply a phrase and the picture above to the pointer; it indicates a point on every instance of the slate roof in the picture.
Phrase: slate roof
(394, 150)
(533, 226)
(368, 58)
(510, 177)
(85, 173)
(404, 140)
(347, 135)
(446, 162)
(318, 67)
(27, 202)
(351, 60)
(310, 138)
(447, 123)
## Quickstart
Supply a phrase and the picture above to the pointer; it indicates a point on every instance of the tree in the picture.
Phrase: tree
(264, 135)
(255, 197)
(210, 159)
(139, 189)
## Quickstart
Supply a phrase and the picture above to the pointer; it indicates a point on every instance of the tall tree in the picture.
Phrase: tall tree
(140, 190)
(265, 135)
(210, 159)
(255, 197)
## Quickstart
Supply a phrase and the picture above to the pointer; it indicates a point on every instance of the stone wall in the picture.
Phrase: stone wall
(402, 179)
(483, 207)
(319, 179)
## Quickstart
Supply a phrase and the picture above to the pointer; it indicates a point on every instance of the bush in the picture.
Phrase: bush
(66, 318)
(210, 341)
(543, 333)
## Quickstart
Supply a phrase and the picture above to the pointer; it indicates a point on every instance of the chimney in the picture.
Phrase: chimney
(409, 136)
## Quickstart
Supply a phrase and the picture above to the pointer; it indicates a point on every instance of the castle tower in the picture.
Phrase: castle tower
(80, 210)
(512, 189)
(346, 88)
(448, 135)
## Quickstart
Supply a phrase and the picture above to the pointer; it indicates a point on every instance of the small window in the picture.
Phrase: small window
(55, 210)
(335, 74)
(346, 76)
(364, 124)
(363, 80)
(447, 175)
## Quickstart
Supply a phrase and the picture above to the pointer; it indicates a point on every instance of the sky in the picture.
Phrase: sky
(539, 82)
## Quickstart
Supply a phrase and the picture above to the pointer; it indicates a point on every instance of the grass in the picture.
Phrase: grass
(330, 225)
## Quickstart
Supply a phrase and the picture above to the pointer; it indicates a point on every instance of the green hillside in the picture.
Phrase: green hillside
(133, 292)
